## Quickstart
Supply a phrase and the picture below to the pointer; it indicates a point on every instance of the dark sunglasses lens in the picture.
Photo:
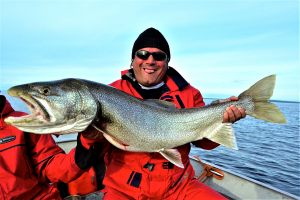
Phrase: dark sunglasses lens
(143, 54)
(159, 56)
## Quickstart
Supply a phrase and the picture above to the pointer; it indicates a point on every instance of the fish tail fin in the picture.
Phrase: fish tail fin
(260, 94)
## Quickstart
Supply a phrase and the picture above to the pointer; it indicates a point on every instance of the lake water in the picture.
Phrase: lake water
(268, 152)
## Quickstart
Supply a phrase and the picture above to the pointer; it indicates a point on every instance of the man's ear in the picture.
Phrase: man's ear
(131, 63)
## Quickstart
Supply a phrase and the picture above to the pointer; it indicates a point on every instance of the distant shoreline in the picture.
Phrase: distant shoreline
(281, 101)
(4, 92)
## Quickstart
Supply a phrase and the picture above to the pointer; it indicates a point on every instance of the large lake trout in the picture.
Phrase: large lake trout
(131, 124)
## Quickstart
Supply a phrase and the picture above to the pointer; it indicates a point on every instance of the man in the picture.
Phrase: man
(31, 165)
(136, 175)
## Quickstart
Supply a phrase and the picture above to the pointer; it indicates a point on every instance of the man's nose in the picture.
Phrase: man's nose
(150, 59)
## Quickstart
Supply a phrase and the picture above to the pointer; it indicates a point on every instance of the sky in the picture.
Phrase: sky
(221, 47)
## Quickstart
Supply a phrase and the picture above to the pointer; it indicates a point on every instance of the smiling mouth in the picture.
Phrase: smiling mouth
(149, 71)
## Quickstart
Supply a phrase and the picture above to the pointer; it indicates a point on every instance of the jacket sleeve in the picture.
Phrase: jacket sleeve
(203, 143)
(52, 163)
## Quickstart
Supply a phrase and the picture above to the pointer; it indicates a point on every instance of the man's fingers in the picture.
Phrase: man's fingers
(233, 98)
(92, 133)
(242, 111)
(233, 114)
(228, 115)
(236, 113)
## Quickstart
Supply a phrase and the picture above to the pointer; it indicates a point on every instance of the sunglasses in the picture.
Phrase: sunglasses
(144, 55)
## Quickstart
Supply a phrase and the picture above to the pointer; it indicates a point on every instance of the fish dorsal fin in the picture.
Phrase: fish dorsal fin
(160, 104)
(222, 133)
(173, 156)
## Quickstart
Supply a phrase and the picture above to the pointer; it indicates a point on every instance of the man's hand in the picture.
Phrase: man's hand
(92, 133)
(233, 113)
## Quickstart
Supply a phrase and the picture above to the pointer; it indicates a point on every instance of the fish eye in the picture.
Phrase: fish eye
(45, 91)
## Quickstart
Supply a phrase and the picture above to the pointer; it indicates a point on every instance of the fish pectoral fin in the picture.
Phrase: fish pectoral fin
(115, 142)
(223, 134)
(173, 156)
(81, 124)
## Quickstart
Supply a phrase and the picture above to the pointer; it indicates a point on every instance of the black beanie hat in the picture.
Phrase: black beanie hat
(151, 38)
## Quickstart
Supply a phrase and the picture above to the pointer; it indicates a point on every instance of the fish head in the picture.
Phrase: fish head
(60, 107)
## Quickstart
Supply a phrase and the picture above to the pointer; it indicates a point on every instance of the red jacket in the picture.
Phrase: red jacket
(178, 91)
(29, 162)
(126, 170)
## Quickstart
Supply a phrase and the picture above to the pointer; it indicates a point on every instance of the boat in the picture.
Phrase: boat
(232, 185)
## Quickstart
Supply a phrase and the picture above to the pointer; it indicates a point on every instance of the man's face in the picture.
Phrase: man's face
(149, 71)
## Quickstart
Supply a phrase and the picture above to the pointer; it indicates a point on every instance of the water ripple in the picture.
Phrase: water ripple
(268, 152)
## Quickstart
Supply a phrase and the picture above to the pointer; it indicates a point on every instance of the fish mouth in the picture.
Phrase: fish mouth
(38, 113)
